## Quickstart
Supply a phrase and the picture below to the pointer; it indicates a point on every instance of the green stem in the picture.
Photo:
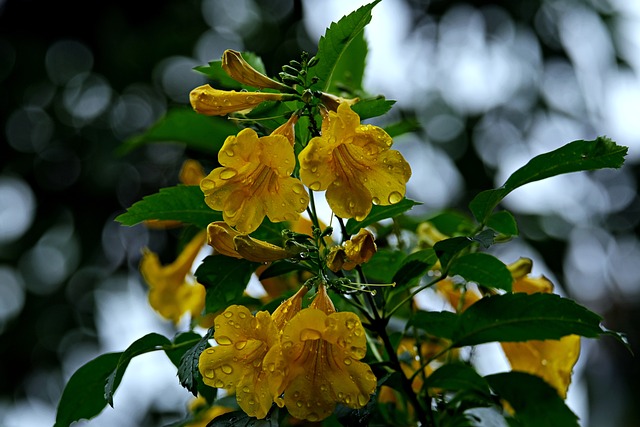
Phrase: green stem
(413, 294)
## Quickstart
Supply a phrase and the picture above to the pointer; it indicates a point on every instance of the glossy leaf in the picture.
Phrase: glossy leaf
(534, 401)
(181, 125)
(349, 70)
(574, 157)
(83, 396)
(184, 203)
(225, 279)
(447, 249)
(483, 269)
(150, 342)
(512, 318)
(378, 213)
(458, 376)
(503, 222)
(382, 265)
(372, 107)
(188, 372)
(414, 266)
(335, 43)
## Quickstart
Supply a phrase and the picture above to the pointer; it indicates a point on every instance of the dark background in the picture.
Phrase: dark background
(78, 78)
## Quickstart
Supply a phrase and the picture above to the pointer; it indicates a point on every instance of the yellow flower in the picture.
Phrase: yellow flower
(552, 360)
(203, 414)
(170, 292)
(241, 71)
(319, 356)
(332, 102)
(236, 362)
(288, 308)
(354, 164)
(254, 181)
(355, 251)
(215, 102)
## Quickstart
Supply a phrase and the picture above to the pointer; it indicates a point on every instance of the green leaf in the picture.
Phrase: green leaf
(372, 107)
(535, 402)
(447, 249)
(349, 70)
(188, 372)
(483, 269)
(414, 266)
(503, 222)
(335, 44)
(150, 342)
(574, 157)
(382, 265)
(453, 223)
(523, 317)
(183, 203)
(180, 346)
(407, 125)
(441, 324)
(279, 268)
(225, 279)
(378, 213)
(458, 377)
(83, 396)
(197, 131)
(511, 318)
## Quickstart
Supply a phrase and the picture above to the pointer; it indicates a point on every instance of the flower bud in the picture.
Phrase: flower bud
(241, 71)
(332, 102)
(214, 102)
(257, 250)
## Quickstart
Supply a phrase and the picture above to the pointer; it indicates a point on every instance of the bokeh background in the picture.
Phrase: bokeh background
(492, 84)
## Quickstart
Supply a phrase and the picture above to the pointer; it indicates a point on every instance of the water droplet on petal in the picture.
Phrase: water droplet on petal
(227, 369)
(309, 334)
(299, 404)
(240, 345)
(315, 186)
(228, 314)
(313, 417)
(228, 173)
(246, 389)
(210, 351)
(223, 340)
(395, 197)
(218, 383)
(362, 399)
(375, 201)
(242, 315)
(209, 373)
(347, 361)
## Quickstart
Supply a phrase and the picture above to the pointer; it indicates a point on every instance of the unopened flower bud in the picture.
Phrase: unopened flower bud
(241, 71)
(214, 102)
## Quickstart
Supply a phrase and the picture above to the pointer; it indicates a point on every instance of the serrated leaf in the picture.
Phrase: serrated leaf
(335, 43)
(522, 317)
(372, 107)
(184, 203)
(83, 396)
(188, 372)
(535, 402)
(378, 213)
(150, 342)
(503, 222)
(574, 157)
(414, 266)
(511, 317)
(179, 348)
(197, 131)
(225, 280)
(483, 269)
(222, 80)
(458, 376)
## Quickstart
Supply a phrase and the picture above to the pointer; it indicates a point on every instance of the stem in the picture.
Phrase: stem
(413, 294)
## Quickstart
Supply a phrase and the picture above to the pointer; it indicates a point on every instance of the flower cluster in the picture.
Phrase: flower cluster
(305, 359)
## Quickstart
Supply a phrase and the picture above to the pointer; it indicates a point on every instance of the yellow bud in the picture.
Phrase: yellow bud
(332, 102)
(191, 172)
(258, 250)
(241, 71)
(429, 235)
(361, 247)
(288, 129)
(214, 102)
(288, 309)
(220, 236)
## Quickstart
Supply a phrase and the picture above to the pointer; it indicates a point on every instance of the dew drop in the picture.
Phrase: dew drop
(210, 351)
(296, 394)
(227, 369)
(299, 404)
(375, 201)
(228, 314)
(350, 323)
(314, 169)
(218, 383)
(271, 367)
(309, 334)
(347, 399)
(395, 197)
(352, 204)
(228, 173)
(298, 189)
(313, 417)
(242, 315)
(223, 340)
(340, 395)
(209, 373)
(362, 399)
(315, 186)
(358, 352)
(240, 345)
(246, 389)
(347, 361)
